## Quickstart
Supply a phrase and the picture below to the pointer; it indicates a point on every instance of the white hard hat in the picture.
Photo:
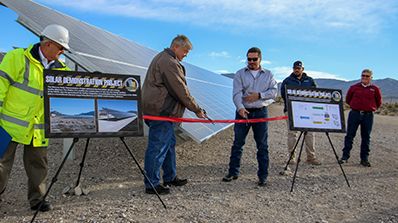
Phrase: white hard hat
(57, 34)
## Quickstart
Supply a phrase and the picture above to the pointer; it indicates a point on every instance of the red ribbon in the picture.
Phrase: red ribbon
(171, 119)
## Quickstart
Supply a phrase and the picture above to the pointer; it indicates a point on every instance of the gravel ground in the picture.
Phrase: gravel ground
(320, 193)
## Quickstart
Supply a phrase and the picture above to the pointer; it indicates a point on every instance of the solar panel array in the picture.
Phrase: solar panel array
(94, 49)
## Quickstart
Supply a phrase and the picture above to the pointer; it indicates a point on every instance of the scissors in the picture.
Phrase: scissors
(207, 117)
(247, 121)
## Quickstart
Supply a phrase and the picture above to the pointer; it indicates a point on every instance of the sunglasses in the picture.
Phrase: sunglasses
(60, 48)
(365, 75)
(252, 59)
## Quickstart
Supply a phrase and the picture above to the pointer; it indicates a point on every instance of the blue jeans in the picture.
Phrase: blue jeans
(260, 131)
(160, 152)
(354, 120)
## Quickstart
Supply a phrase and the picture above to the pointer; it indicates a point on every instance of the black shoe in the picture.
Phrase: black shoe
(262, 182)
(366, 163)
(343, 160)
(159, 188)
(228, 178)
(46, 206)
(176, 182)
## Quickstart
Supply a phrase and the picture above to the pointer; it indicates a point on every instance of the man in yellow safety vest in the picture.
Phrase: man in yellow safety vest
(22, 108)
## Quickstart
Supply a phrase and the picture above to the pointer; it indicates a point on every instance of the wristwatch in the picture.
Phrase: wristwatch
(259, 96)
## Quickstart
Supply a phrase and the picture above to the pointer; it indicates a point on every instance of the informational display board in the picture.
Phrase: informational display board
(89, 105)
(315, 109)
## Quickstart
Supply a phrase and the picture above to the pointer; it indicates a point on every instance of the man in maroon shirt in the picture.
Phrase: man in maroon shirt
(364, 98)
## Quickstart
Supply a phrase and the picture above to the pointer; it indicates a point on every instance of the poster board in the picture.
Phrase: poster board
(89, 105)
(315, 109)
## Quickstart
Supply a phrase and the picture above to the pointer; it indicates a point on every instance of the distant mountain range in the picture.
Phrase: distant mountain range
(388, 86)
(57, 113)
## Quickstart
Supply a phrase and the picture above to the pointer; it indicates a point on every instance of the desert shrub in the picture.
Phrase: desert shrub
(279, 99)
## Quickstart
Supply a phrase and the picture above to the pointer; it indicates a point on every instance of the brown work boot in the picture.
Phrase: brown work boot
(314, 161)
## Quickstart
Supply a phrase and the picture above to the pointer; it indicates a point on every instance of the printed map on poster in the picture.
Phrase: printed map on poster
(314, 115)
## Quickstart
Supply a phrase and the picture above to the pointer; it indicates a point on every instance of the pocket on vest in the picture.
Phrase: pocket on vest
(16, 108)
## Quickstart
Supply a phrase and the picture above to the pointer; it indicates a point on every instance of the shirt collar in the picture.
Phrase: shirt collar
(365, 85)
(44, 60)
(169, 51)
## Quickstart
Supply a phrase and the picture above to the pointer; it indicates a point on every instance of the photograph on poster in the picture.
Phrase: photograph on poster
(117, 116)
(72, 115)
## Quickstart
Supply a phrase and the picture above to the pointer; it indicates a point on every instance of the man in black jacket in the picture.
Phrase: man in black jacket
(299, 78)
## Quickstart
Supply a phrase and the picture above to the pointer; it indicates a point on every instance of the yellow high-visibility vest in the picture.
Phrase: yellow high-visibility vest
(22, 97)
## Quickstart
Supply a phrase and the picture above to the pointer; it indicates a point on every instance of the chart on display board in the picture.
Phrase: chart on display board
(315, 109)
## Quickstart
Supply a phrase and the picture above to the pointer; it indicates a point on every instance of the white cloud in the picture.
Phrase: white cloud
(281, 73)
(307, 16)
(222, 54)
(319, 74)
(221, 71)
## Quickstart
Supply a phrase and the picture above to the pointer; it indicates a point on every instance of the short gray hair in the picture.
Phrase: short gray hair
(182, 41)
(44, 40)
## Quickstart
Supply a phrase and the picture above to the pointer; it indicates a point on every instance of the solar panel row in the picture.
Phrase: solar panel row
(94, 49)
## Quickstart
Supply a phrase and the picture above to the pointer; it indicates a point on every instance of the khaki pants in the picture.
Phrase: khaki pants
(35, 162)
(309, 143)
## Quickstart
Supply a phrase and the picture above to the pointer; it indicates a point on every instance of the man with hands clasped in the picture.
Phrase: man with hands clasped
(253, 90)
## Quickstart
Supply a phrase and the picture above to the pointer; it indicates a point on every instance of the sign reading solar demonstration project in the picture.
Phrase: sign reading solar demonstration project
(85, 105)
(315, 109)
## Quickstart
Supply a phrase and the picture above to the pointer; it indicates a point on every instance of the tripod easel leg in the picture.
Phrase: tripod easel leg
(291, 154)
(142, 171)
(298, 161)
(82, 163)
(54, 178)
(337, 158)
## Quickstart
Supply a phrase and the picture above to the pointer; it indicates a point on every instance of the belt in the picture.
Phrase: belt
(254, 109)
(363, 112)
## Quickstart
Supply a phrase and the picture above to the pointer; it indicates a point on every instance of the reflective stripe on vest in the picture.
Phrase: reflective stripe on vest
(6, 76)
(24, 86)
(39, 126)
(14, 120)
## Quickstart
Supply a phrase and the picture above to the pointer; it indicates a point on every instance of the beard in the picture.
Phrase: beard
(253, 66)
(296, 74)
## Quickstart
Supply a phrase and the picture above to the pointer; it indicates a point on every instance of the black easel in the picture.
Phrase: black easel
(299, 157)
(81, 168)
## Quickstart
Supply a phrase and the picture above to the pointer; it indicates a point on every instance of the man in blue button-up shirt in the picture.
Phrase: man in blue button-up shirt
(254, 89)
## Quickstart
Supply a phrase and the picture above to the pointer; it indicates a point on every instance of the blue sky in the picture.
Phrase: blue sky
(72, 106)
(120, 105)
(63, 105)
(333, 38)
